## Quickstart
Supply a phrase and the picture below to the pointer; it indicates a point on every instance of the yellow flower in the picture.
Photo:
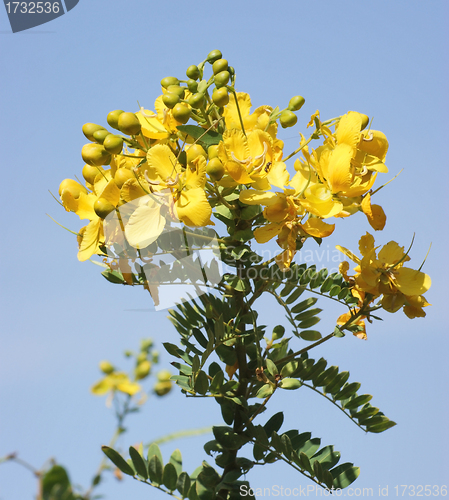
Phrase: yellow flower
(116, 381)
(383, 273)
(180, 190)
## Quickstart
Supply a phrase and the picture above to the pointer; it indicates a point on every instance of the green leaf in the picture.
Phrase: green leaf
(172, 349)
(225, 212)
(114, 277)
(310, 447)
(295, 295)
(155, 470)
(200, 338)
(344, 475)
(229, 439)
(117, 460)
(308, 314)
(55, 477)
(265, 391)
(186, 370)
(347, 391)
(226, 354)
(274, 423)
(310, 335)
(272, 369)
(208, 138)
(217, 382)
(305, 463)
(176, 460)
(308, 323)
(319, 278)
(326, 377)
(138, 462)
(381, 427)
(289, 368)
(287, 447)
(335, 290)
(337, 383)
(170, 476)
(290, 383)
(327, 457)
(318, 471)
(305, 304)
(289, 287)
(183, 381)
(276, 442)
(250, 212)
(201, 383)
(154, 450)
(183, 484)
(357, 401)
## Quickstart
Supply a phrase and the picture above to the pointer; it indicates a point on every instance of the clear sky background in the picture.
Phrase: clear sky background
(59, 317)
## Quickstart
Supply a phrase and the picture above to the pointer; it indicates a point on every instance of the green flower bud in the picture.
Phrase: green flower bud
(113, 144)
(220, 97)
(163, 376)
(181, 113)
(231, 71)
(192, 85)
(103, 208)
(213, 56)
(219, 65)
(176, 89)
(278, 332)
(146, 344)
(122, 175)
(163, 388)
(221, 79)
(296, 103)
(142, 370)
(182, 158)
(100, 135)
(95, 155)
(169, 80)
(194, 151)
(89, 129)
(106, 367)
(170, 99)
(212, 151)
(112, 118)
(89, 173)
(196, 100)
(129, 124)
(193, 72)
(288, 119)
(215, 169)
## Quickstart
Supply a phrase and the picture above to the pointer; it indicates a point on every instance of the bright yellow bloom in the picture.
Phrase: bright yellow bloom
(180, 190)
(116, 381)
(383, 273)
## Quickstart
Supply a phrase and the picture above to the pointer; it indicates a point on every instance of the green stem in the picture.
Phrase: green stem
(300, 148)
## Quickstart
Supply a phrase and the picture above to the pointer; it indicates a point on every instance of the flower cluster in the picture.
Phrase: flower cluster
(159, 170)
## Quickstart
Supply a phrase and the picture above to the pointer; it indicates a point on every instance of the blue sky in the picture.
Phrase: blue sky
(60, 317)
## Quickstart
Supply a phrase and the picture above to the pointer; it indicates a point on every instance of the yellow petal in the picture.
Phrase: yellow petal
(192, 208)
(257, 197)
(366, 244)
(375, 214)
(131, 190)
(162, 163)
(266, 233)
(348, 131)
(278, 175)
(378, 146)
(230, 111)
(339, 169)
(348, 253)
(85, 209)
(236, 145)
(391, 254)
(145, 225)
(91, 238)
(317, 228)
(238, 172)
(412, 282)
(111, 193)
